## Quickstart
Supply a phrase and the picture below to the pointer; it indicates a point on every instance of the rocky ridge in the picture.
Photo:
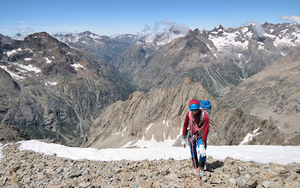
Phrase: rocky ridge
(158, 117)
(159, 114)
(5, 39)
(29, 169)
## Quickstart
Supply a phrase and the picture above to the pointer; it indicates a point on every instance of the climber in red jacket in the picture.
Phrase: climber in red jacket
(197, 124)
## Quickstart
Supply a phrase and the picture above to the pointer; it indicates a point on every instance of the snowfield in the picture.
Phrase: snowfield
(256, 153)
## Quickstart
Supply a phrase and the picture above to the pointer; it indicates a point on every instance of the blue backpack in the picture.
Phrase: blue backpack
(205, 106)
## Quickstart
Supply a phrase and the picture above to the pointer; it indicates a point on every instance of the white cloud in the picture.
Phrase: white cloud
(20, 36)
(30, 29)
(292, 18)
(258, 28)
(146, 28)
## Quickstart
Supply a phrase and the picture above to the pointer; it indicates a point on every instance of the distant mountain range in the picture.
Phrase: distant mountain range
(104, 46)
(58, 86)
(219, 59)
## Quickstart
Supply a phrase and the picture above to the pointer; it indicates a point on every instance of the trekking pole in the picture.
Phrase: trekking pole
(198, 178)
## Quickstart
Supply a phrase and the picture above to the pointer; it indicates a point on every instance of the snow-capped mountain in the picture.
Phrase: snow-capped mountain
(159, 39)
(104, 46)
(220, 59)
(281, 35)
(286, 37)
(125, 38)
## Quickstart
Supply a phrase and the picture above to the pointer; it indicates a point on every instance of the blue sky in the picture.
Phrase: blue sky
(110, 17)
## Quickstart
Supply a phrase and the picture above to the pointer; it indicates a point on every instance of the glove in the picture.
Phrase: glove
(202, 151)
(183, 143)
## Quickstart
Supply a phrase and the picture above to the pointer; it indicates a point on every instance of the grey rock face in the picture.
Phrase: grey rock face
(273, 92)
(5, 39)
(10, 134)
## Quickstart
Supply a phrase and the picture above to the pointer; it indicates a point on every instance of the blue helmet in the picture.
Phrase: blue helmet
(194, 104)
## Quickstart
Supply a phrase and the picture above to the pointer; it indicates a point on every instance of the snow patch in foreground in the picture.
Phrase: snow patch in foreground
(143, 143)
(256, 153)
(77, 153)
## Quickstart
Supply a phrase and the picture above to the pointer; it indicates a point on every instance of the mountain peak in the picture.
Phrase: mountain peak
(40, 39)
(188, 81)
(190, 31)
(197, 31)
(218, 27)
(86, 33)
(265, 24)
(39, 35)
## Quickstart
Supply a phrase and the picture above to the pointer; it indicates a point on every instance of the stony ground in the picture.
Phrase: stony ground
(29, 169)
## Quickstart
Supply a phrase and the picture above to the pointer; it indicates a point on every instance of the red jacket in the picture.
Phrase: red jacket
(197, 119)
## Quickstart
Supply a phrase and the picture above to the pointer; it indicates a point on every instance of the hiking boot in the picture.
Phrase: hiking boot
(197, 164)
(201, 165)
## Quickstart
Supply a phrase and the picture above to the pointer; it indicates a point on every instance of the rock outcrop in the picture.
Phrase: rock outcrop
(5, 39)
(11, 134)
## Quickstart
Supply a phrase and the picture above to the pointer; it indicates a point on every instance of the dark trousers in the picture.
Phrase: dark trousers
(194, 144)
